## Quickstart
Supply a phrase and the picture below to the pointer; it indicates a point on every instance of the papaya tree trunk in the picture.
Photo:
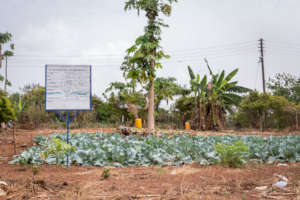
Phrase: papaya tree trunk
(151, 122)
(5, 78)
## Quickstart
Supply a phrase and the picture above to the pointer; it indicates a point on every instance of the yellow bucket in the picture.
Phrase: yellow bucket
(138, 123)
(187, 126)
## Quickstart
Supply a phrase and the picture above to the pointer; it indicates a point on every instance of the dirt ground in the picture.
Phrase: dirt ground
(156, 182)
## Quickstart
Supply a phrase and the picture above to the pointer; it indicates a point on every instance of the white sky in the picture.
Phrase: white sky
(99, 32)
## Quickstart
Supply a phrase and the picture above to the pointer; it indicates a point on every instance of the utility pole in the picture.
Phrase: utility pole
(261, 58)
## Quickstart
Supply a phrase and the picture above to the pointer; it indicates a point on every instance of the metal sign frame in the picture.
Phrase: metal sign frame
(68, 119)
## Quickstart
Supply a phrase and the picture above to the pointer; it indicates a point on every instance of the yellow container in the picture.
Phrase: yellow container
(138, 123)
(187, 126)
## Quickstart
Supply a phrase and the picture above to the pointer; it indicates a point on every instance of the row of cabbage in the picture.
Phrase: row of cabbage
(116, 150)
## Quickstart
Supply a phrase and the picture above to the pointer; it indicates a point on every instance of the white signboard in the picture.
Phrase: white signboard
(68, 87)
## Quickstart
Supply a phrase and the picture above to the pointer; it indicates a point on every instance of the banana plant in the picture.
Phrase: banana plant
(199, 89)
(222, 94)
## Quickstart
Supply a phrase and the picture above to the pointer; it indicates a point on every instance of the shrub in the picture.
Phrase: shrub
(234, 155)
(105, 174)
(57, 148)
(6, 111)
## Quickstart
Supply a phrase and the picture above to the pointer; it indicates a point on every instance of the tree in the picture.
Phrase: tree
(184, 107)
(6, 110)
(278, 110)
(18, 105)
(33, 100)
(125, 96)
(7, 54)
(165, 89)
(4, 38)
(143, 57)
(285, 85)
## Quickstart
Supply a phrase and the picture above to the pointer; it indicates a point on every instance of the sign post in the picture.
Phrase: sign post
(68, 88)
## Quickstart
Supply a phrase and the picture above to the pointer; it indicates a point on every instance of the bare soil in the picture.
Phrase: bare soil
(156, 182)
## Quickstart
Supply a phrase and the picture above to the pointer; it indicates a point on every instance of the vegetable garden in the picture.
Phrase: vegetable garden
(116, 150)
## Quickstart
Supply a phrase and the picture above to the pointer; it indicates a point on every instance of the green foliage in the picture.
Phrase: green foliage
(142, 58)
(285, 85)
(234, 155)
(165, 89)
(6, 110)
(18, 105)
(116, 150)
(214, 98)
(184, 106)
(105, 173)
(57, 148)
(278, 111)
(120, 93)
(123, 99)
(32, 103)
(5, 37)
(8, 53)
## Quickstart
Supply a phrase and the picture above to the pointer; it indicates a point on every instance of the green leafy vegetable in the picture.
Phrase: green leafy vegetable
(234, 155)
(116, 150)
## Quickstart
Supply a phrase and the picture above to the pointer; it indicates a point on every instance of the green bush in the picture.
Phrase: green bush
(105, 174)
(234, 155)
(57, 148)
(6, 110)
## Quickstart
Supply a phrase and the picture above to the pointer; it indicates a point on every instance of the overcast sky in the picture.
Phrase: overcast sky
(95, 32)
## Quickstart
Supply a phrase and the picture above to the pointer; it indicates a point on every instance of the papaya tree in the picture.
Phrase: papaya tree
(4, 38)
(6, 54)
(142, 59)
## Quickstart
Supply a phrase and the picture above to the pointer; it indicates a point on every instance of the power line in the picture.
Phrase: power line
(211, 48)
